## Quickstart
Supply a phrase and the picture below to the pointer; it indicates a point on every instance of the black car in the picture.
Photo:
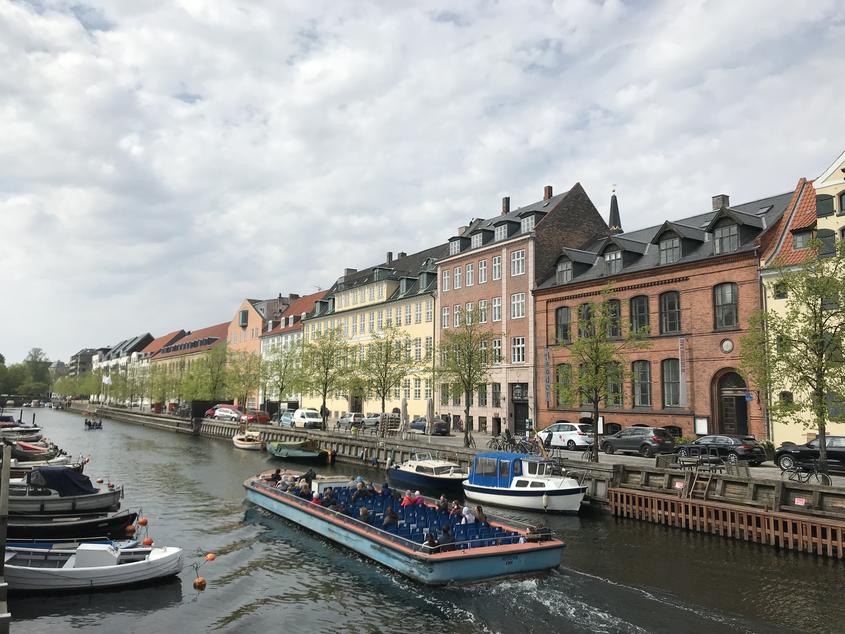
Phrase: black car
(645, 441)
(790, 455)
(731, 449)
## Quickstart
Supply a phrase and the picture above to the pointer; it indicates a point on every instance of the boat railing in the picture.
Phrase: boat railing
(498, 519)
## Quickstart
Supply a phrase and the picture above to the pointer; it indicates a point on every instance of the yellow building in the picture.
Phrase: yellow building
(816, 211)
(399, 292)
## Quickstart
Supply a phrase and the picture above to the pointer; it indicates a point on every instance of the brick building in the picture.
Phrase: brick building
(692, 285)
(492, 268)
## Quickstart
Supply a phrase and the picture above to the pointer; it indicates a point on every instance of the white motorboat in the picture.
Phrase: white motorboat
(424, 471)
(522, 481)
(88, 566)
(51, 490)
(250, 440)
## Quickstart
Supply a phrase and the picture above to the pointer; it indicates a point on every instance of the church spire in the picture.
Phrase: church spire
(614, 222)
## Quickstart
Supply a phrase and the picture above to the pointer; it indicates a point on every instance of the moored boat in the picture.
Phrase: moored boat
(19, 469)
(478, 551)
(65, 526)
(522, 481)
(300, 451)
(54, 490)
(424, 471)
(250, 440)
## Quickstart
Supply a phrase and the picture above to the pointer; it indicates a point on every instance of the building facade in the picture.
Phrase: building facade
(690, 286)
(492, 269)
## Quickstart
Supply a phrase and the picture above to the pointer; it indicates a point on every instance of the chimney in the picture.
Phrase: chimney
(721, 200)
(293, 296)
(349, 272)
(547, 192)
(506, 205)
(402, 254)
(389, 258)
(461, 230)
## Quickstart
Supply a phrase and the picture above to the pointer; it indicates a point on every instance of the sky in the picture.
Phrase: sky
(162, 160)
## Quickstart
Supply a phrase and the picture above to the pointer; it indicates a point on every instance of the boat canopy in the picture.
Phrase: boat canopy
(496, 469)
(64, 480)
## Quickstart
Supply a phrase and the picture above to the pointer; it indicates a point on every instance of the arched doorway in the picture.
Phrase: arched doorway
(730, 406)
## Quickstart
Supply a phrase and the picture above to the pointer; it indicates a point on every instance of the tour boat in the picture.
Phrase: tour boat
(88, 566)
(479, 552)
(302, 451)
(522, 481)
(250, 440)
(65, 526)
(54, 490)
(423, 471)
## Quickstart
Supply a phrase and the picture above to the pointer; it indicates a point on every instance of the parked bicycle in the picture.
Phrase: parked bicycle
(805, 474)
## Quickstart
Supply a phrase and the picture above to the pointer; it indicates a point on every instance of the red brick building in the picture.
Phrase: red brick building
(492, 268)
(692, 285)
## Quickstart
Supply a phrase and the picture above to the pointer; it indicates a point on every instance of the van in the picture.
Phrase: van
(307, 419)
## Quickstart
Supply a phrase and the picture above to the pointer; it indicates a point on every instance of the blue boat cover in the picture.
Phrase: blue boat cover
(62, 479)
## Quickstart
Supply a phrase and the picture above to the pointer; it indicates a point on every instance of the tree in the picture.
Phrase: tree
(797, 355)
(38, 366)
(283, 369)
(243, 375)
(385, 363)
(465, 360)
(325, 361)
(597, 355)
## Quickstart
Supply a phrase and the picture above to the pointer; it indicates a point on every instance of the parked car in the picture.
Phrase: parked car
(645, 441)
(569, 435)
(307, 419)
(285, 418)
(228, 412)
(371, 421)
(731, 449)
(350, 420)
(258, 416)
(789, 455)
(209, 413)
(439, 427)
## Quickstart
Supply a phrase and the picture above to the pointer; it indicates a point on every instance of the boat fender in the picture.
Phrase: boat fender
(545, 501)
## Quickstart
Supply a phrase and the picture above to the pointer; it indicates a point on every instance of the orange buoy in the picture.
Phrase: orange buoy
(199, 584)
(143, 521)
(130, 530)
(148, 541)
(210, 557)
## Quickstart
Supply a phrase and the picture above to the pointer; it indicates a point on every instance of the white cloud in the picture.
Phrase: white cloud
(161, 161)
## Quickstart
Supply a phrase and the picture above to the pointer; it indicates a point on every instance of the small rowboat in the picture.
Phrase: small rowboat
(20, 469)
(65, 526)
(250, 440)
(88, 566)
(301, 451)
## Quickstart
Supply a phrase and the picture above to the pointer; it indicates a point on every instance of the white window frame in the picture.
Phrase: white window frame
(517, 305)
(497, 309)
(476, 240)
(444, 317)
(454, 247)
(446, 275)
(458, 278)
(527, 223)
(517, 349)
(482, 311)
(469, 274)
(429, 310)
(497, 267)
(482, 271)
(500, 232)
(518, 262)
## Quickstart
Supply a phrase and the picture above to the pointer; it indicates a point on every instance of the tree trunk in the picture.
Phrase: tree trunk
(595, 451)
(467, 396)
(818, 397)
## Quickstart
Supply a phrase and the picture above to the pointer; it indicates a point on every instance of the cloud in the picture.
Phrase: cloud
(163, 160)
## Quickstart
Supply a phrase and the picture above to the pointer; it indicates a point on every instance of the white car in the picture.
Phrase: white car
(569, 435)
(307, 419)
(225, 412)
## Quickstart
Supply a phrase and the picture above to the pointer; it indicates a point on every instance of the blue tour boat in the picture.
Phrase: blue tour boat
(480, 551)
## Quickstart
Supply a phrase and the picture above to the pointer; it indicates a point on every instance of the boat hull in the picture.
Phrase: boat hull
(248, 445)
(62, 527)
(104, 501)
(461, 566)
(556, 501)
(284, 451)
(420, 481)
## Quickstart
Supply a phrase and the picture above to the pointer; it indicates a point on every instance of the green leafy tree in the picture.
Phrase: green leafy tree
(17, 375)
(283, 370)
(465, 359)
(38, 366)
(797, 355)
(243, 376)
(597, 358)
(386, 363)
(325, 365)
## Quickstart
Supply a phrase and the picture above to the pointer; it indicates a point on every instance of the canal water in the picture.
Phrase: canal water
(617, 575)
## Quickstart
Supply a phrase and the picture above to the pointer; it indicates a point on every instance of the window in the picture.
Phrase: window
(563, 381)
(406, 388)
(428, 388)
(497, 267)
(418, 313)
(670, 250)
(482, 348)
(518, 262)
(482, 395)
(639, 314)
(614, 385)
(725, 305)
(476, 240)
(518, 349)
(482, 311)
(429, 310)
(372, 322)
(614, 319)
(562, 324)
(469, 275)
(418, 349)
(501, 232)
(780, 291)
(468, 312)
(786, 398)
(726, 238)
(482, 272)
(671, 383)
(407, 313)
(444, 318)
(429, 346)
(563, 272)
(585, 320)
(801, 240)
(380, 319)
(457, 284)
(454, 247)
(517, 305)
(497, 309)
(362, 326)
(398, 315)
(417, 389)
(496, 393)
(456, 395)
(842, 203)
(445, 285)
(497, 351)
(824, 205)
(457, 317)
(527, 224)
(827, 238)
(641, 383)
(670, 313)
(613, 262)
(444, 394)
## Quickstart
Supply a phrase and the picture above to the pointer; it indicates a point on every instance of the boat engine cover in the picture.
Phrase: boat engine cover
(96, 555)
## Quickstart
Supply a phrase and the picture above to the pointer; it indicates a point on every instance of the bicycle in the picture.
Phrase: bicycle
(803, 474)
(469, 443)
(587, 455)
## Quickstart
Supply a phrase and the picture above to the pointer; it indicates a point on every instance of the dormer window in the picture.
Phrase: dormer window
(670, 249)
(454, 247)
(801, 240)
(613, 262)
(475, 240)
(528, 224)
(726, 238)
(563, 274)
(501, 232)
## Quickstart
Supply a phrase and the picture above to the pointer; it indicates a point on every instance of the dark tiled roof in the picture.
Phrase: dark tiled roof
(399, 267)
(157, 344)
(778, 247)
(128, 346)
(196, 341)
(302, 305)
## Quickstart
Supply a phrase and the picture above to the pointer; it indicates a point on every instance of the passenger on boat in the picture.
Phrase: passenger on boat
(430, 544)
(360, 493)
(479, 515)
(456, 510)
(443, 504)
(469, 518)
(309, 476)
(385, 491)
(408, 500)
(390, 518)
(315, 499)
(364, 514)
(277, 476)
(328, 497)
(447, 540)
(418, 499)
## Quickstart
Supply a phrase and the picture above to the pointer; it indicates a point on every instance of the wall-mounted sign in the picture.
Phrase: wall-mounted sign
(701, 425)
